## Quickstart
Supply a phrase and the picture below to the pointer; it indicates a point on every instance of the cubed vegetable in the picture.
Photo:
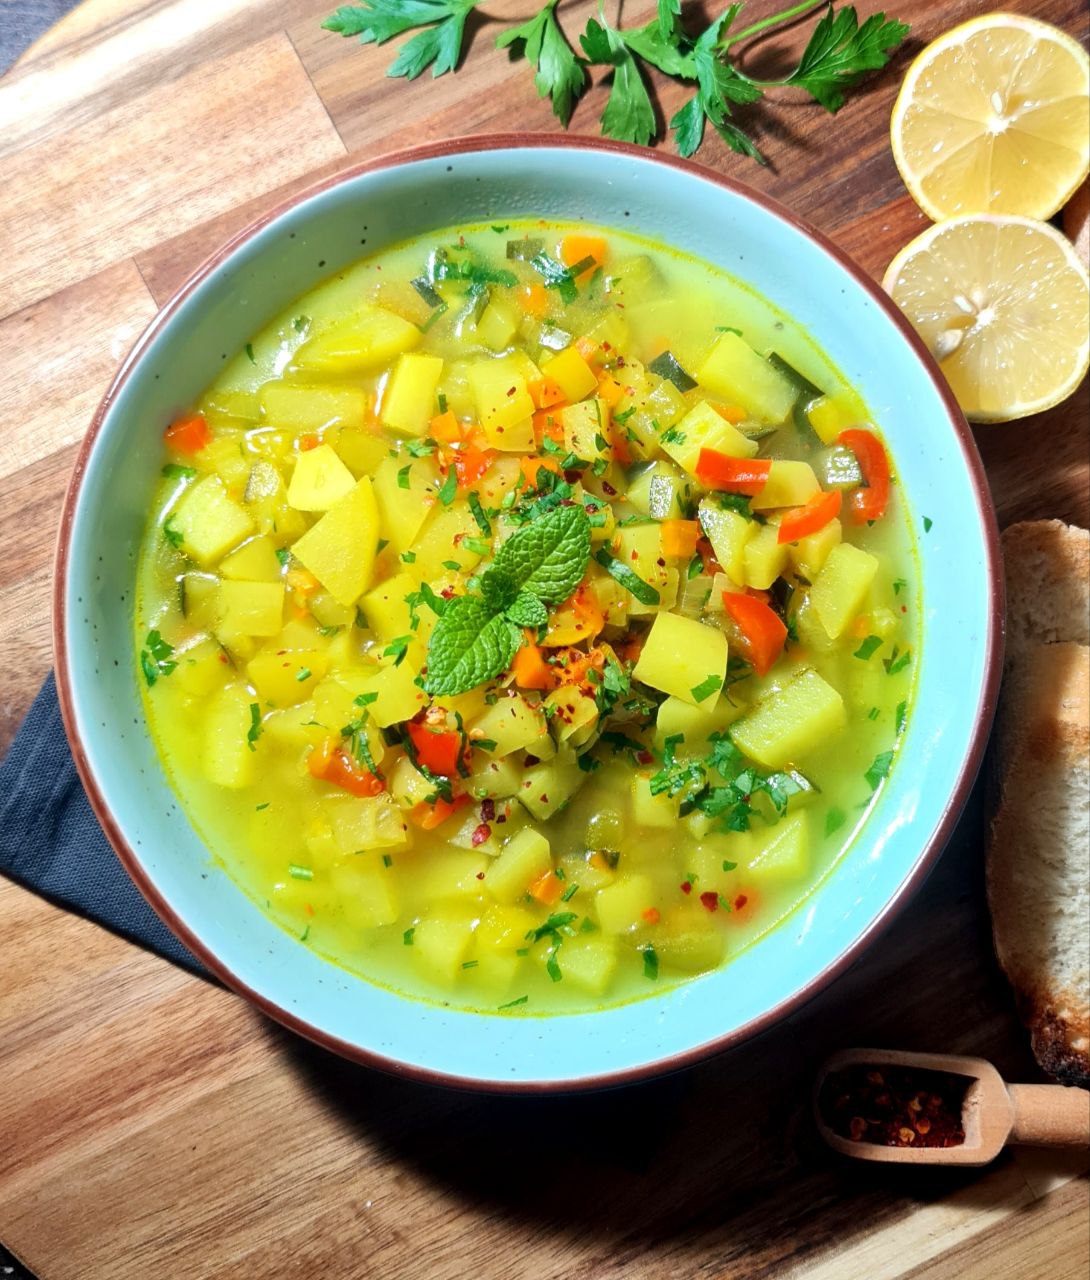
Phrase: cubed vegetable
(840, 589)
(309, 409)
(209, 521)
(367, 339)
(504, 405)
(789, 722)
(254, 561)
(729, 532)
(525, 857)
(441, 943)
(703, 428)
(498, 324)
(789, 484)
(734, 372)
(320, 480)
(229, 741)
(364, 882)
(387, 612)
(547, 787)
(571, 373)
(652, 810)
(408, 402)
(589, 962)
(785, 854)
(809, 554)
(621, 906)
(362, 823)
(583, 425)
(764, 557)
(340, 549)
(685, 658)
(251, 608)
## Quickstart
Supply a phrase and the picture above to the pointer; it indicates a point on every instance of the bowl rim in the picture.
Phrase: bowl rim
(929, 853)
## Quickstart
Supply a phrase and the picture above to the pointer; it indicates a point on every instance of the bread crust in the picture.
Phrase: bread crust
(1038, 866)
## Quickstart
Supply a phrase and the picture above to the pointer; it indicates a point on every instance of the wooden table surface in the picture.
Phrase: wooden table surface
(151, 1124)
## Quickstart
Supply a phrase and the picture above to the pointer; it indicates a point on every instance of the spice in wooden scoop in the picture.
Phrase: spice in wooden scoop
(894, 1106)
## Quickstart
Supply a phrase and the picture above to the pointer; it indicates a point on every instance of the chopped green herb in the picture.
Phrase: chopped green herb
(477, 511)
(403, 476)
(470, 964)
(879, 769)
(397, 649)
(552, 967)
(387, 861)
(250, 353)
(513, 1004)
(174, 536)
(928, 524)
(156, 658)
(449, 487)
(644, 592)
(283, 555)
(900, 716)
(175, 471)
(299, 873)
(260, 807)
(729, 866)
(711, 684)
(407, 936)
(868, 648)
(899, 585)
(408, 557)
(569, 892)
(254, 731)
(302, 674)
(650, 962)
(834, 820)
(453, 565)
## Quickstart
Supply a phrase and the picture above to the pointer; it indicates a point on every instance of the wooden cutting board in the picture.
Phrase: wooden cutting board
(151, 1125)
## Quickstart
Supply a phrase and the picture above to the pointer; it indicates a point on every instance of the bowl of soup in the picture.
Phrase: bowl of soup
(528, 613)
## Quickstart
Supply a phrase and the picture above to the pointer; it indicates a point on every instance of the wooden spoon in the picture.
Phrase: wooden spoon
(993, 1112)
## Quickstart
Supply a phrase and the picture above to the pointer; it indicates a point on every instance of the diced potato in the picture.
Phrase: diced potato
(320, 480)
(200, 666)
(363, 823)
(652, 811)
(841, 587)
(504, 406)
(734, 372)
(361, 450)
(621, 905)
(227, 757)
(293, 728)
(366, 340)
(664, 403)
(327, 612)
(251, 608)
(811, 632)
(547, 787)
(706, 860)
(405, 492)
(254, 561)
(525, 858)
(408, 402)
(639, 546)
(442, 542)
(308, 409)
(589, 962)
(387, 612)
(789, 484)
(689, 942)
(584, 424)
(694, 723)
(809, 554)
(786, 854)
(572, 374)
(764, 557)
(498, 324)
(513, 724)
(367, 888)
(683, 657)
(830, 415)
(703, 428)
(729, 533)
(572, 715)
(441, 944)
(610, 597)
(200, 594)
(285, 676)
(399, 696)
(226, 455)
(497, 482)
(224, 403)
(407, 784)
(446, 875)
(266, 498)
(491, 777)
(209, 521)
(340, 549)
(334, 706)
(803, 715)
(504, 928)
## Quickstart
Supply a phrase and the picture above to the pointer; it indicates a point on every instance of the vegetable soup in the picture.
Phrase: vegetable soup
(527, 617)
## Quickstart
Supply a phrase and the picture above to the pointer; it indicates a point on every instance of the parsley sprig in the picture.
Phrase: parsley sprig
(840, 52)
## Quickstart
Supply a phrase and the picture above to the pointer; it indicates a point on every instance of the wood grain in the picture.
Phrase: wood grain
(152, 1124)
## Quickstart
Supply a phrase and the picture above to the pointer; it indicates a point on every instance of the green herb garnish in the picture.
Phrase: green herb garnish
(156, 658)
(254, 731)
(879, 769)
(868, 648)
(644, 592)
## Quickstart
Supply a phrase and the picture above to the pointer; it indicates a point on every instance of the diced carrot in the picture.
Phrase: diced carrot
(720, 471)
(577, 247)
(588, 349)
(530, 669)
(187, 435)
(532, 464)
(860, 627)
(547, 425)
(470, 464)
(547, 889)
(429, 816)
(763, 630)
(679, 537)
(533, 299)
(302, 581)
(618, 442)
(610, 390)
(545, 392)
(445, 428)
(731, 412)
(308, 442)
(800, 522)
(651, 915)
(332, 763)
(436, 749)
(707, 554)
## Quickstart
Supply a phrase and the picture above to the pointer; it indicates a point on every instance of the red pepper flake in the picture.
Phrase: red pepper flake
(686, 886)
(488, 810)
(710, 900)
(531, 760)
(480, 875)
(887, 1105)
(480, 835)
(608, 489)
(645, 757)
(447, 593)
(740, 902)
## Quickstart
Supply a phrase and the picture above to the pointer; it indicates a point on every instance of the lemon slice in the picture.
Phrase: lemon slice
(1003, 304)
(994, 117)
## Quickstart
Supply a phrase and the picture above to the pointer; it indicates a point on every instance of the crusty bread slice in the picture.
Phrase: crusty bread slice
(1039, 852)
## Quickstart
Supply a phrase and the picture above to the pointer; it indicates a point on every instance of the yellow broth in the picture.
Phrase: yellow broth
(628, 801)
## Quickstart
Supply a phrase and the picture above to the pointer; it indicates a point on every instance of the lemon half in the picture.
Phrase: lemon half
(1003, 304)
(994, 117)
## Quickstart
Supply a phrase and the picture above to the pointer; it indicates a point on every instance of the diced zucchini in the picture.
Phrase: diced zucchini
(683, 657)
(659, 490)
(366, 340)
(664, 403)
(340, 549)
(408, 402)
(547, 787)
(254, 561)
(227, 757)
(209, 521)
(584, 424)
(367, 888)
(806, 713)
(572, 715)
(789, 484)
(571, 373)
(320, 480)
(621, 905)
(703, 428)
(786, 853)
(832, 414)
(841, 587)
(251, 608)
(734, 372)
(498, 324)
(304, 409)
(689, 941)
(764, 557)
(504, 405)
(525, 858)
(729, 533)
(498, 778)
(362, 823)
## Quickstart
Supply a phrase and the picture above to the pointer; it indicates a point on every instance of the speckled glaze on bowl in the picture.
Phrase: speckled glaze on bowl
(493, 179)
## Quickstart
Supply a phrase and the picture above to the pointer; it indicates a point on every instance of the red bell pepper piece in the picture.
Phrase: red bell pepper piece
(800, 522)
(717, 470)
(868, 503)
(762, 628)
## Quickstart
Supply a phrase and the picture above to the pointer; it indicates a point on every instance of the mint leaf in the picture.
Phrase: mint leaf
(549, 556)
(470, 644)
(560, 74)
(629, 115)
(841, 52)
(528, 611)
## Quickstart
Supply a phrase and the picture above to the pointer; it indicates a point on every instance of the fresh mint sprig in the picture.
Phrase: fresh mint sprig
(840, 52)
(476, 636)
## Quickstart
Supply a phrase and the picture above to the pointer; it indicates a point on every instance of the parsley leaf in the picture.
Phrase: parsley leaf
(559, 73)
(841, 52)
(156, 658)
(879, 769)
(720, 85)
(438, 45)
(629, 115)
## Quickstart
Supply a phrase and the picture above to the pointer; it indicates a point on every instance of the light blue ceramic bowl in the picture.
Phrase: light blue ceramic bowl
(495, 179)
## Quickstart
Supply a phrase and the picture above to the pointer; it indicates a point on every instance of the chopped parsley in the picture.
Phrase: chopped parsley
(254, 731)
(868, 648)
(879, 769)
(156, 658)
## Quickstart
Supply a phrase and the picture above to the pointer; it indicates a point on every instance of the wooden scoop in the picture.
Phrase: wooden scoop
(993, 1112)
